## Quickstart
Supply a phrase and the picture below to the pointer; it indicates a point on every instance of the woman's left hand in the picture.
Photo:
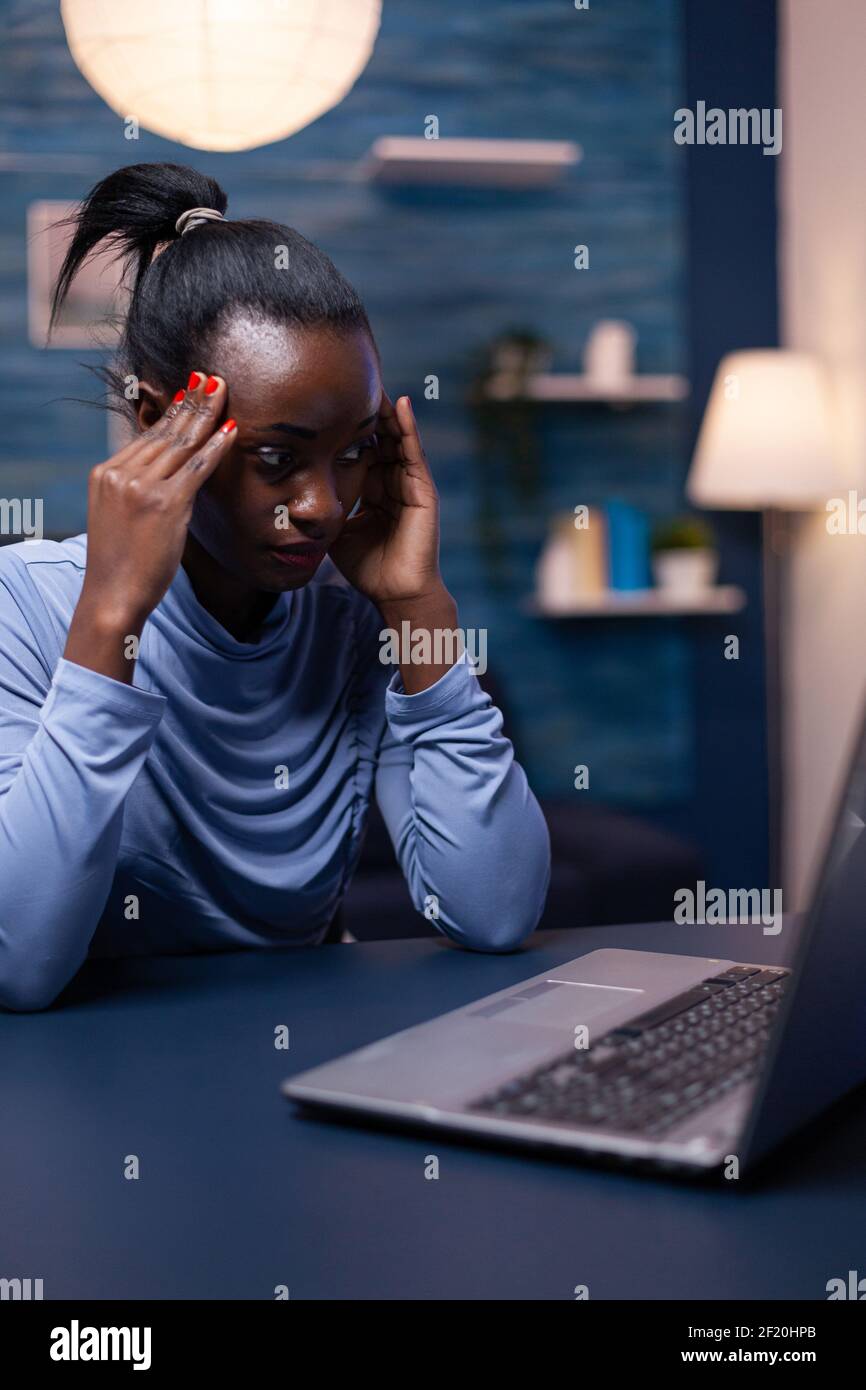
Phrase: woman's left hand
(390, 549)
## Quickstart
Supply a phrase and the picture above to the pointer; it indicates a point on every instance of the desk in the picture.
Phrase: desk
(173, 1060)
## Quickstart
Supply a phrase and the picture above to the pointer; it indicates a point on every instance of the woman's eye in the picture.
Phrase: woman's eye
(354, 452)
(278, 460)
(275, 459)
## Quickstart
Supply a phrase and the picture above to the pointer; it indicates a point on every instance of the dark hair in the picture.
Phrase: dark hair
(180, 297)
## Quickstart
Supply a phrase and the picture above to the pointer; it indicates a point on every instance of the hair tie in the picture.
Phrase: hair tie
(194, 217)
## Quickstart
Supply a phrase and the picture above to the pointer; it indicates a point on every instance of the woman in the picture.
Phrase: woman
(193, 712)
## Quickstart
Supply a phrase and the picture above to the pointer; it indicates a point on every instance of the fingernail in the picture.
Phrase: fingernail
(179, 397)
(229, 424)
(193, 382)
(211, 385)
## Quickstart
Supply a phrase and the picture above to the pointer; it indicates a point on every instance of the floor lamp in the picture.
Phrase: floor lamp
(765, 445)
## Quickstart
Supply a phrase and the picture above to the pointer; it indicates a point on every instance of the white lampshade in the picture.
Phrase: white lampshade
(222, 74)
(765, 440)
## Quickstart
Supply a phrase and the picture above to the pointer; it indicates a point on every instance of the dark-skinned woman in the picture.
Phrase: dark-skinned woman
(194, 715)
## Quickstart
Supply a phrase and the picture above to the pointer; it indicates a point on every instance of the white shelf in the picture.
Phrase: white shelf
(475, 163)
(642, 603)
(565, 386)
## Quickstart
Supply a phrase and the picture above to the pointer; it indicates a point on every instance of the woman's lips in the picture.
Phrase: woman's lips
(304, 558)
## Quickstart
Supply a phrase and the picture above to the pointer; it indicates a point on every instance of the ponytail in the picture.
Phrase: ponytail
(216, 270)
(134, 209)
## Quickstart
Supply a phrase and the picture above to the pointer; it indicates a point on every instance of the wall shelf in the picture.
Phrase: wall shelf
(642, 603)
(641, 389)
(410, 159)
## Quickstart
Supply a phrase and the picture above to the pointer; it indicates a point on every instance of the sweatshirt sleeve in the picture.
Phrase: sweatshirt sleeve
(71, 745)
(468, 832)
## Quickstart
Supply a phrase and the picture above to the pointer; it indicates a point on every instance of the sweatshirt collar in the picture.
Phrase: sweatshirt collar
(188, 613)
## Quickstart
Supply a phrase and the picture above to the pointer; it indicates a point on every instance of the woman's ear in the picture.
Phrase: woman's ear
(151, 405)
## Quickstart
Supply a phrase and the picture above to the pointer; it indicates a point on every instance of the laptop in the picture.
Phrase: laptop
(687, 1064)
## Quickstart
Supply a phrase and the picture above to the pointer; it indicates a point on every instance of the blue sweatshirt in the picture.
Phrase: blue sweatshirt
(220, 801)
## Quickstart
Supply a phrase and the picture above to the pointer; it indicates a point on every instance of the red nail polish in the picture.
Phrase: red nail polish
(210, 385)
(193, 382)
(179, 397)
(228, 426)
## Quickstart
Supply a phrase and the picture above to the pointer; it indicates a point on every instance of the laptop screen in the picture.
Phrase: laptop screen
(818, 1050)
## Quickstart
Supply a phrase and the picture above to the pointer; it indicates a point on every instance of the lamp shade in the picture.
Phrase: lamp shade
(765, 440)
(222, 74)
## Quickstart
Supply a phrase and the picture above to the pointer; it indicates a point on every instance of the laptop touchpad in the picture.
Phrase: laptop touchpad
(558, 1004)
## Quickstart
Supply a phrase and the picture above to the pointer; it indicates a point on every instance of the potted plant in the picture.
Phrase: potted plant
(508, 452)
(684, 556)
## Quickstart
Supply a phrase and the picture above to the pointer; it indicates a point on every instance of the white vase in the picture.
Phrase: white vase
(554, 574)
(688, 571)
(608, 358)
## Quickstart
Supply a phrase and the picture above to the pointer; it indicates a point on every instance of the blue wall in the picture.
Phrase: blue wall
(732, 302)
(441, 273)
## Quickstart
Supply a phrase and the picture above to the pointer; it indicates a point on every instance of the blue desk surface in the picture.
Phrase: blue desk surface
(173, 1060)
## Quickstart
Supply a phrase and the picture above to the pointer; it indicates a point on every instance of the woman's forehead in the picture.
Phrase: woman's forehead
(324, 375)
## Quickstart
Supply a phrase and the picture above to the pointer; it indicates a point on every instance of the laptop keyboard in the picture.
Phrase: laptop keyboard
(650, 1074)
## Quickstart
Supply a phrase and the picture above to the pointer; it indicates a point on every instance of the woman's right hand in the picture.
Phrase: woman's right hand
(139, 508)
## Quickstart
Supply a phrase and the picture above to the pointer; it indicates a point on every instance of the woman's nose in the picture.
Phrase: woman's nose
(317, 503)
